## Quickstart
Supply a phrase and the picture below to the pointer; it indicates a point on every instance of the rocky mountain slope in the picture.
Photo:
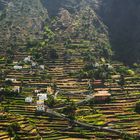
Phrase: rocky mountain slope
(21, 20)
(121, 18)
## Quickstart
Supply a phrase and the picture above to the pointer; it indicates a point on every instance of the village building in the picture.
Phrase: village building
(16, 67)
(97, 84)
(16, 89)
(102, 96)
(11, 79)
(34, 64)
(42, 67)
(110, 67)
(40, 106)
(28, 100)
(2, 89)
(40, 102)
(96, 65)
(37, 91)
(27, 59)
(42, 96)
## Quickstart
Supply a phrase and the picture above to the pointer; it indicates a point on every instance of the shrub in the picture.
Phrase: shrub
(13, 128)
(137, 107)
(3, 117)
(130, 72)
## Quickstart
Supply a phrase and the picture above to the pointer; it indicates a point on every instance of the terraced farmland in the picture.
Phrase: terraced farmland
(118, 114)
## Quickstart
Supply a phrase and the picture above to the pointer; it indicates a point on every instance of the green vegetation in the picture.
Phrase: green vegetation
(137, 107)
(69, 62)
(13, 129)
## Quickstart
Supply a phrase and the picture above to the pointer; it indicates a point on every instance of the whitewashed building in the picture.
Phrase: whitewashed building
(42, 67)
(16, 67)
(34, 64)
(27, 59)
(11, 79)
(42, 96)
(28, 100)
(96, 65)
(16, 89)
(40, 106)
(37, 91)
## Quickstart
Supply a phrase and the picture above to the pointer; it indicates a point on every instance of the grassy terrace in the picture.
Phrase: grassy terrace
(117, 114)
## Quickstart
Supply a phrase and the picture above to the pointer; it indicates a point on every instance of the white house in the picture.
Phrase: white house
(37, 91)
(109, 66)
(28, 100)
(16, 67)
(42, 96)
(16, 89)
(27, 59)
(42, 67)
(34, 64)
(11, 79)
(1, 89)
(96, 65)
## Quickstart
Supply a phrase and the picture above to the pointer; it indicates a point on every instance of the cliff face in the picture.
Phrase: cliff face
(123, 20)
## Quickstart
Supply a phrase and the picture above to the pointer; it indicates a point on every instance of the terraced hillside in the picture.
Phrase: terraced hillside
(70, 63)
(118, 114)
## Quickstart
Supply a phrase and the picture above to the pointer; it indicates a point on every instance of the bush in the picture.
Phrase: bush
(53, 54)
(3, 117)
(137, 107)
(130, 72)
(51, 101)
(13, 128)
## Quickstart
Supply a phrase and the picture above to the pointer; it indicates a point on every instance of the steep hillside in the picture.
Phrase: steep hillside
(20, 20)
(79, 22)
(121, 18)
(23, 20)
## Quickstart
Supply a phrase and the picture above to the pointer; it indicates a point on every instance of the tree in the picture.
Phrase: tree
(137, 107)
(122, 81)
(48, 34)
(8, 82)
(70, 110)
(53, 54)
(9, 51)
(16, 137)
(50, 101)
(13, 129)
(49, 77)
(6, 109)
